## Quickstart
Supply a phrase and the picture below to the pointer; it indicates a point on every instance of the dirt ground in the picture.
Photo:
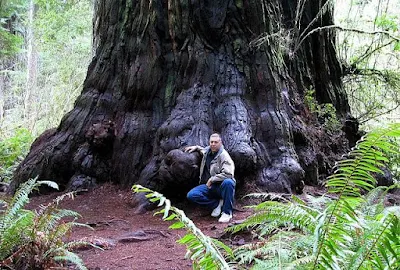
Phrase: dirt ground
(133, 241)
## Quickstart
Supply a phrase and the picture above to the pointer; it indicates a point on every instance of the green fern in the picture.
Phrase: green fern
(347, 230)
(278, 251)
(380, 248)
(352, 177)
(270, 215)
(35, 238)
(15, 220)
(205, 252)
(68, 256)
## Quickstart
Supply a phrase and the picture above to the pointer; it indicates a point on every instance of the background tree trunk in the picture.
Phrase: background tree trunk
(31, 70)
(167, 74)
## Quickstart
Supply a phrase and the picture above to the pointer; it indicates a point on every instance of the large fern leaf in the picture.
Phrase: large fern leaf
(17, 203)
(204, 251)
(65, 255)
(352, 177)
(278, 251)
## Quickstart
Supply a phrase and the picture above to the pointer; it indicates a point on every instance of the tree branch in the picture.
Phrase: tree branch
(366, 53)
(376, 116)
(344, 29)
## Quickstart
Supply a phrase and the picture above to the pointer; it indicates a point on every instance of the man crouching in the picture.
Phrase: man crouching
(217, 183)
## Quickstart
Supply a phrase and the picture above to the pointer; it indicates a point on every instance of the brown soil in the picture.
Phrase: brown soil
(132, 241)
(129, 240)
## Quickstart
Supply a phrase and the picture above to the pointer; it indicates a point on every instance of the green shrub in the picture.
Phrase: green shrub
(326, 113)
(34, 239)
(12, 150)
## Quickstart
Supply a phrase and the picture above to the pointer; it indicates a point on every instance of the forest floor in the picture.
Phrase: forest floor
(129, 240)
(143, 241)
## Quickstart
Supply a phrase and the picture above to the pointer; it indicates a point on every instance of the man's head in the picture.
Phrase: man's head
(215, 142)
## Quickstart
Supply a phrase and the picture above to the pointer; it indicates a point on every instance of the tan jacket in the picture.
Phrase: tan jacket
(221, 167)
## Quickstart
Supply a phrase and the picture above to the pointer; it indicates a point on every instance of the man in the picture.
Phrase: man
(217, 183)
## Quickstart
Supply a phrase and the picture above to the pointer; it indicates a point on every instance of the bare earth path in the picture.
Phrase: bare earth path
(131, 241)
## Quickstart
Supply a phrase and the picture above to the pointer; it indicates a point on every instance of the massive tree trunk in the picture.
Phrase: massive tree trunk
(167, 74)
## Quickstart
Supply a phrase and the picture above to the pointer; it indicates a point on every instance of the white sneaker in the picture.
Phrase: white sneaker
(225, 218)
(217, 211)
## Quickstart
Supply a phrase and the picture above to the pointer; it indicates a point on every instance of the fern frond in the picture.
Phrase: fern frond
(201, 249)
(334, 234)
(382, 245)
(284, 250)
(57, 234)
(17, 203)
(48, 183)
(301, 263)
(316, 204)
(271, 196)
(354, 174)
(281, 214)
(35, 237)
(69, 195)
(11, 236)
(373, 203)
(50, 218)
(67, 256)
(351, 177)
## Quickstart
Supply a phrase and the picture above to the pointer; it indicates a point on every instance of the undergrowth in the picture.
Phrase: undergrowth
(34, 239)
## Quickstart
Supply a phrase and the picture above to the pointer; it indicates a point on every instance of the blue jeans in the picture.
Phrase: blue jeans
(210, 197)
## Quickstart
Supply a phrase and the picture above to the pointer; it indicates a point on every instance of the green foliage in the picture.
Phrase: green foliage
(34, 239)
(282, 250)
(205, 252)
(10, 40)
(342, 220)
(373, 95)
(326, 113)
(387, 22)
(10, 44)
(60, 53)
(12, 150)
(310, 102)
(396, 46)
(369, 48)
(394, 162)
(347, 231)
(63, 33)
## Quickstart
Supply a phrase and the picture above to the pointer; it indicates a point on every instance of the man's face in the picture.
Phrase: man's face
(215, 143)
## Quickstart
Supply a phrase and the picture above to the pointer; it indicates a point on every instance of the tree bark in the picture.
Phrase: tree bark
(167, 74)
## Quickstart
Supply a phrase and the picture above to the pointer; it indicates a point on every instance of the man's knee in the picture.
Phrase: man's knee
(190, 195)
(194, 193)
(228, 183)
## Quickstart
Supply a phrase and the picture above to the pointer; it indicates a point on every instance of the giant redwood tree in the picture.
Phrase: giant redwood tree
(168, 73)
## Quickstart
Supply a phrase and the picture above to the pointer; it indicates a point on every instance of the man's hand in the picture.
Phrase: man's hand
(209, 183)
(190, 149)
